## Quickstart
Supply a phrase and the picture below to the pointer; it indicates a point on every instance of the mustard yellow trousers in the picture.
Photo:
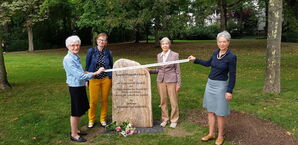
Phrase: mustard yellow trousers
(99, 88)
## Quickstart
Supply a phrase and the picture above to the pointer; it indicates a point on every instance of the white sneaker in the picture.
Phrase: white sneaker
(90, 124)
(173, 125)
(103, 123)
(163, 124)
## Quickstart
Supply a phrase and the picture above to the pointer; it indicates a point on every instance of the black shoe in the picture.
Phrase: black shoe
(81, 133)
(80, 139)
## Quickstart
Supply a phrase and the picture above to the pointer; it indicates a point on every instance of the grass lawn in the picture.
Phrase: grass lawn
(37, 110)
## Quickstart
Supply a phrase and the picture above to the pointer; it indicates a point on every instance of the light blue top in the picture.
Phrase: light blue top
(75, 75)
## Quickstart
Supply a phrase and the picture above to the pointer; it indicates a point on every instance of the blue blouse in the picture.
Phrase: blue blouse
(75, 75)
(221, 67)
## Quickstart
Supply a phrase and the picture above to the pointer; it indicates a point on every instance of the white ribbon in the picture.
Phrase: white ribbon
(147, 65)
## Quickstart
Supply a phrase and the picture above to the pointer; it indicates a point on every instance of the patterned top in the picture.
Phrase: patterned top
(100, 63)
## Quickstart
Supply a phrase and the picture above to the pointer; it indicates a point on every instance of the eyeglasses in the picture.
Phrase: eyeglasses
(75, 45)
(101, 40)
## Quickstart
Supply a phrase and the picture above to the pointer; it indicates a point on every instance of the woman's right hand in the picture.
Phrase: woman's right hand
(191, 58)
(100, 70)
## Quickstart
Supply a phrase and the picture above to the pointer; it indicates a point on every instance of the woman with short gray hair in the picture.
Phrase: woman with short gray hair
(165, 39)
(224, 34)
(220, 84)
(168, 82)
(76, 78)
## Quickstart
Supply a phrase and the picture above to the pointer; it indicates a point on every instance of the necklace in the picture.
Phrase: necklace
(221, 56)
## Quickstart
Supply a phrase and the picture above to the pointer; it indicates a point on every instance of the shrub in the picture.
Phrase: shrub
(17, 45)
(202, 32)
(290, 37)
(39, 45)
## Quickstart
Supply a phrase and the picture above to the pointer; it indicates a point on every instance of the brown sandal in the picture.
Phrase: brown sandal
(219, 141)
(208, 137)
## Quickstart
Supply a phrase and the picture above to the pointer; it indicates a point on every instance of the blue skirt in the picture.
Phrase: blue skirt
(214, 97)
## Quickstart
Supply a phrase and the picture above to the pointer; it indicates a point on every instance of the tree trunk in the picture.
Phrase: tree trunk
(93, 35)
(156, 31)
(4, 85)
(222, 4)
(272, 76)
(147, 27)
(137, 36)
(30, 38)
(147, 37)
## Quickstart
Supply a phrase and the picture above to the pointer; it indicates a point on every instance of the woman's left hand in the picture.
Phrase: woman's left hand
(228, 96)
(177, 88)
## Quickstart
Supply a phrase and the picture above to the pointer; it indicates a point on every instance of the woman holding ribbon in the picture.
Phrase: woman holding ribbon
(220, 84)
(98, 57)
(168, 82)
(76, 78)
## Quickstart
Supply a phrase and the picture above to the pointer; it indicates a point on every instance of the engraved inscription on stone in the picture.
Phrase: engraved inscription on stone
(131, 95)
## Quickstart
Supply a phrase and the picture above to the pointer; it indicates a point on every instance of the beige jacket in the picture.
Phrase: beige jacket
(168, 73)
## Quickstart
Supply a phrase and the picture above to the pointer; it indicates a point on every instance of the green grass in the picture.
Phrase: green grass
(36, 110)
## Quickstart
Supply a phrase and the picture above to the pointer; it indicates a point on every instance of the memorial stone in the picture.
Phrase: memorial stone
(131, 95)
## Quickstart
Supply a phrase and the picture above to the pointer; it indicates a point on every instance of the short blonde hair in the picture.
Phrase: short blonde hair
(102, 34)
(165, 39)
(72, 39)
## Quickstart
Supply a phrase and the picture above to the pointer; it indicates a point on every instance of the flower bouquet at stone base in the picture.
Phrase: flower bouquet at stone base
(124, 129)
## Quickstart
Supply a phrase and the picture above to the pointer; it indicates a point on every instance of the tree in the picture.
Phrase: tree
(135, 15)
(4, 19)
(94, 14)
(32, 11)
(4, 84)
(165, 17)
(169, 17)
(272, 77)
(223, 5)
(246, 16)
(290, 21)
(59, 24)
(200, 10)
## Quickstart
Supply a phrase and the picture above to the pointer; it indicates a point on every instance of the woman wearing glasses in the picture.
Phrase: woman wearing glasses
(100, 86)
(76, 78)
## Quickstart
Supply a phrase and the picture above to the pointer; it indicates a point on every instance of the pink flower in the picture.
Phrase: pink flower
(130, 133)
(118, 128)
(127, 131)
